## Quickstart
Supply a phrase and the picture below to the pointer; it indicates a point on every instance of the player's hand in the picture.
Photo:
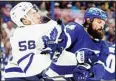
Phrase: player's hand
(51, 49)
(48, 51)
(60, 22)
(81, 73)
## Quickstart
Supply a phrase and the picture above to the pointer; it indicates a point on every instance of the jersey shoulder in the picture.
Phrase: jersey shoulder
(74, 26)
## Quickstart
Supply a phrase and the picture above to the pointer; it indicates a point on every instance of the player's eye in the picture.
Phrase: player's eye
(34, 12)
(99, 21)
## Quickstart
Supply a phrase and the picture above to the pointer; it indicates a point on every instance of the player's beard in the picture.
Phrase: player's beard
(99, 34)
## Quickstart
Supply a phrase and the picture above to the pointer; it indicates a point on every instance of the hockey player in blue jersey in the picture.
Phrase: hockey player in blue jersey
(83, 52)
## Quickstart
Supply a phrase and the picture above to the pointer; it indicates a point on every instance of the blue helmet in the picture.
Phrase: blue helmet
(95, 13)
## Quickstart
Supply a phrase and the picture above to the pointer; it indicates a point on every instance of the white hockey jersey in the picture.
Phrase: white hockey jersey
(27, 43)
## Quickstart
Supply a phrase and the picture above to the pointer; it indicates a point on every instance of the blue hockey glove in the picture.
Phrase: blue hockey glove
(81, 73)
(52, 49)
(87, 56)
(48, 51)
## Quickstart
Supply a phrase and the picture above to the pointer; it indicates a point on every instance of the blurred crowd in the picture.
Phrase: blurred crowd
(66, 10)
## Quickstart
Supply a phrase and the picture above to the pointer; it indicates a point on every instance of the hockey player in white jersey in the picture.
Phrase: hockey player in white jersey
(27, 42)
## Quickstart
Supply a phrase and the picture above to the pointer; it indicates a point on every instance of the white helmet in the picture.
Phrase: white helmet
(19, 11)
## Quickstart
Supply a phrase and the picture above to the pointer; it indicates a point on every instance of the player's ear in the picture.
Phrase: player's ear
(88, 20)
(25, 21)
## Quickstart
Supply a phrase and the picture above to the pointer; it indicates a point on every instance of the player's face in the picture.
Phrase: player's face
(97, 27)
(34, 16)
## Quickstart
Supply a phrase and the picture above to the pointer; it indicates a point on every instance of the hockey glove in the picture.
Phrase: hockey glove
(81, 73)
(52, 49)
(87, 56)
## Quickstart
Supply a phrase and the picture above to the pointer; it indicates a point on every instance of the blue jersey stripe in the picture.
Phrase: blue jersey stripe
(14, 69)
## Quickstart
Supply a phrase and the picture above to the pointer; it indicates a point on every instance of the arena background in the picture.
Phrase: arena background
(66, 10)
